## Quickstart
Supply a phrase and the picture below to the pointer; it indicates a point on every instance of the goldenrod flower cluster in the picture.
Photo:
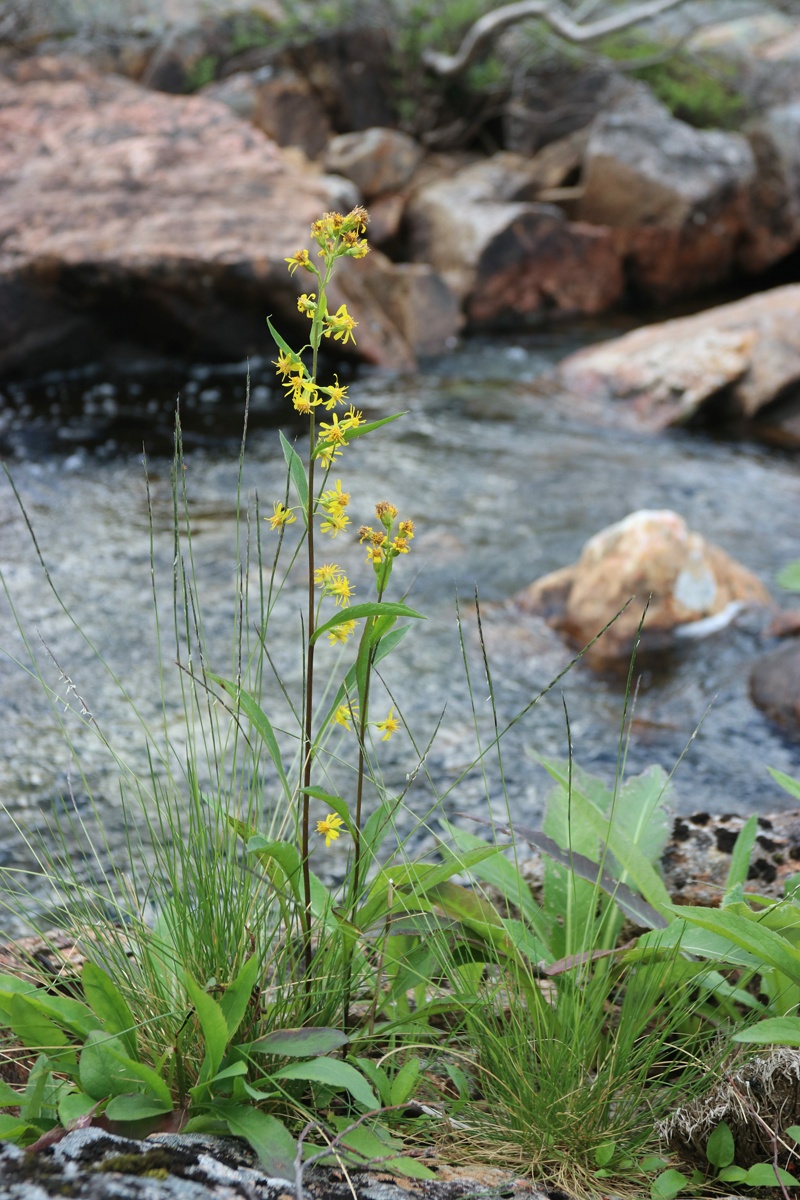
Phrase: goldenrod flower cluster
(334, 583)
(383, 545)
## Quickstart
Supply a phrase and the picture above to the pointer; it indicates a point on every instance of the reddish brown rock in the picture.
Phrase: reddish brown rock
(511, 258)
(677, 197)
(746, 353)
(649, 556)
(158, 219)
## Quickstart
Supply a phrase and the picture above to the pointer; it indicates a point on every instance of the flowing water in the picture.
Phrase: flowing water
(504, 483)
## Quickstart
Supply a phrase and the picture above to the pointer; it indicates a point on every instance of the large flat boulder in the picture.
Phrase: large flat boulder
(741, 357)
(129, 215)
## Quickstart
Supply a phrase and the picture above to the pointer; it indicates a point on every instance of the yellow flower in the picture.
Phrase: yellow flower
(365, 532)
(389, 726)
(341, 325)
(334, 432)
(356, 220)
(346, 713)
(299, 259)
(340, 633)
(286, 364)
(280, 516)
(374, 555)
(326, 574)
(336, 394)
(406, 529)
(307, 304)
(386, 513)
(334, 523)
(334, 500)
(329, 828)
(352, 419)
(400, 545)
(327, 453)
(341, 589)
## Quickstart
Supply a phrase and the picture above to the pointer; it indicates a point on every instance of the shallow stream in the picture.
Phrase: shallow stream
(504, 483)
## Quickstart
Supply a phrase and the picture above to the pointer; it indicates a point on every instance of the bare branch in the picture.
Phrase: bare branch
(493, 23)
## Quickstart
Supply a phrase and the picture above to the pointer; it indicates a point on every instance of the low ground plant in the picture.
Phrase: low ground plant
(223, 985)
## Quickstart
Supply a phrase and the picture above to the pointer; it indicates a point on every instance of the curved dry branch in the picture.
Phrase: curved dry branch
(561, 22)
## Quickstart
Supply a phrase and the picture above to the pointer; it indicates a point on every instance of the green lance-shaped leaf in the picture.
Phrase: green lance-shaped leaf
(238, 994)
(335, 803)
(792, 786)
(214, 1026)
(135, 1107)
(269, 1137)
(108, 1003)
(358, 431)
(335, 1074)
(775, 1031)
(348, 686)
(740, 858)
(280, 860)
(297, 473)
(105, 1070)
(282, 345)
(372, 609)
(773, 950)
(300, 1043)
(261, 724)
(789, 577)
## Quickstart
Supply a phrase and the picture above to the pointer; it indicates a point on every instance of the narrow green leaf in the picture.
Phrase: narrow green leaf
(356, 611)
(239, 992)
(792, 786)
(369, 1144)
(301, 1043)
(269, 1137)
(740, 857)
(8, 1097)
(14, 1129)
(108, 1003)
(214, 1027)
(32, 1026)
(773, 950)
(135, 1107)
(261, 724)
(335, 803)
(405, 1081)
(348, 686)
(297, 473)
(359, 431)
(281, 344)
(335, 1074)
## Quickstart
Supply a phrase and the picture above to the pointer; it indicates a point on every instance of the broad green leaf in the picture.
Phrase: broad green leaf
(481, 917)
(239, 992)
(261, 724)
(74, 1105)
(732, 1175)
(15, 1129)
(793, 1132)
(502, 874)
(386, 608)
(32, 1026)
(283, 854)
(232, 1072)
(269, 1137)
(792, 786)
(135, 1107)
(297, 473)
(335, 803)
(108, 1003)
(668, 1184)
(375, 1143)
(765, 1175)
(105, 1070)
(692, 940)
(300, 1043)
(778, 1031)
(740, 858)
(720, 1149)
(8, 1097)
(214, 1027)
(773, 950)
(335, 1074)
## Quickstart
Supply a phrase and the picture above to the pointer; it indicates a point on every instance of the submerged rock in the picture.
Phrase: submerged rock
(693, 587)
(740, 357)
(775, 685)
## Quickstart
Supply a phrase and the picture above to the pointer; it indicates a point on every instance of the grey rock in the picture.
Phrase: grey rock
(377, 160)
